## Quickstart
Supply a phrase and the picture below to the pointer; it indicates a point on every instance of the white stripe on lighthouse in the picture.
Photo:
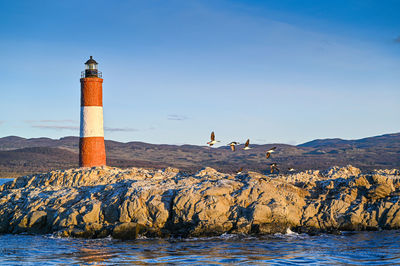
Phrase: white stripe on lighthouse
(91, 121)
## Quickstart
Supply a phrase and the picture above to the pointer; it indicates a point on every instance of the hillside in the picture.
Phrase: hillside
(389, 141)
(22, 156)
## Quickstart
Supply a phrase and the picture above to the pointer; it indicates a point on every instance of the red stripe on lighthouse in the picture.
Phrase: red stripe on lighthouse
(92, 152)
(91, 143)
(91, 91)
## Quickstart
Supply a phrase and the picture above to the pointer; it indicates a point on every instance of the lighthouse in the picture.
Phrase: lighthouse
(92, 151)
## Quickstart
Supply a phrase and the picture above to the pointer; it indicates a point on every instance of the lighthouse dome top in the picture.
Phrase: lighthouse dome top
(91, 69)
(91, 63)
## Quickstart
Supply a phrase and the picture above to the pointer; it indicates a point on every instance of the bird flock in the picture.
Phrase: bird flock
(233, 144)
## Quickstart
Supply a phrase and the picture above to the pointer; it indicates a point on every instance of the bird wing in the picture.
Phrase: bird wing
(240, 170)
(247, 143)
(273, 148)
(212, 136)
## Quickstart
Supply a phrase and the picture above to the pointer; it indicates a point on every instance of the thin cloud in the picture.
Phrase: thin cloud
(51, 121)
(397, 39)
(58, 121)
(61, 124)
(61, 127)
(1, 122)
(68, 124)
(116, 129)
(177, 117)
(56, 127)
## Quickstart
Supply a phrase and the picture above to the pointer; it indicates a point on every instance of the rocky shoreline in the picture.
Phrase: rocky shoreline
(134, 202)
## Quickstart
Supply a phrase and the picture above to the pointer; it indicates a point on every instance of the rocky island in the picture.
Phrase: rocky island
(134, 202)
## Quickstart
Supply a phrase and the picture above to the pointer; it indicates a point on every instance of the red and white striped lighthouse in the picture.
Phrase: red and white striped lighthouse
(92, 151)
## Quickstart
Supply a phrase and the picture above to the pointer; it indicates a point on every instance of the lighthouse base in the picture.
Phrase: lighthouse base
(92, 152)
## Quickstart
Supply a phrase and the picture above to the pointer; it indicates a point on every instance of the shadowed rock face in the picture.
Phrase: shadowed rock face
(97, 202)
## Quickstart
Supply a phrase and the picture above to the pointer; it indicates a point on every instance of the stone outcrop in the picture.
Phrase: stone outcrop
(127, 203)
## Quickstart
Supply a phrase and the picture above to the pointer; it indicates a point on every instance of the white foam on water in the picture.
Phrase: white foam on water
(290, 232)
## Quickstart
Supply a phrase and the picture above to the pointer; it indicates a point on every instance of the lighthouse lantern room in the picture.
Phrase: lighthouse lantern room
(91, 69)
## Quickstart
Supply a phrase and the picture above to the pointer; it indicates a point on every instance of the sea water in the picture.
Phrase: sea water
(4, 180)
(360, 248)
(374, 248)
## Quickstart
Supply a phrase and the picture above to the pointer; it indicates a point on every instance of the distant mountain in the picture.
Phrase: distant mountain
(389, 141)
(22, 156)
(36, 159)
(322, 143)
(13, 142)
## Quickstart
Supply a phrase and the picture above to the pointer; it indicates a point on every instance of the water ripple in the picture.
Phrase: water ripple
(366, 248)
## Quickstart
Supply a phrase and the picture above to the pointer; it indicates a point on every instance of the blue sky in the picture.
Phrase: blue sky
(272, 71)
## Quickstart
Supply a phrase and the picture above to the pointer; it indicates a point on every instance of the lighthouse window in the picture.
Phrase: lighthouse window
(91, 66)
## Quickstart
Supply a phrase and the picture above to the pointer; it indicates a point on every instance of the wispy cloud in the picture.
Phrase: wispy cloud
(177, 117)
(397, 39)
(67, 124)
(51, 121)
(61, 124)
(123, 129)
(1, 122)
(56, 127)
(66, 127)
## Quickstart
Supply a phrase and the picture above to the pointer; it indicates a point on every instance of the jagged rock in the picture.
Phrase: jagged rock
(341, 172)
(128, 203)
(37, 219)
(92, 215)
(128, 231)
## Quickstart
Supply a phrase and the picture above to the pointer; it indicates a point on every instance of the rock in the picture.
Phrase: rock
(362, 182)
(92, 215)
(129, 203)
(262, 214)
(344, 172)
(126, 231)
(381, 190)
(37, 219)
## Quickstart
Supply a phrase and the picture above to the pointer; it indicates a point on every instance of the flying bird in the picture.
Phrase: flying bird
(274, 167)
(238, 172)
(213, 141)
(233, 144)
(269, 152)
(290, 169)
(246, 145)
